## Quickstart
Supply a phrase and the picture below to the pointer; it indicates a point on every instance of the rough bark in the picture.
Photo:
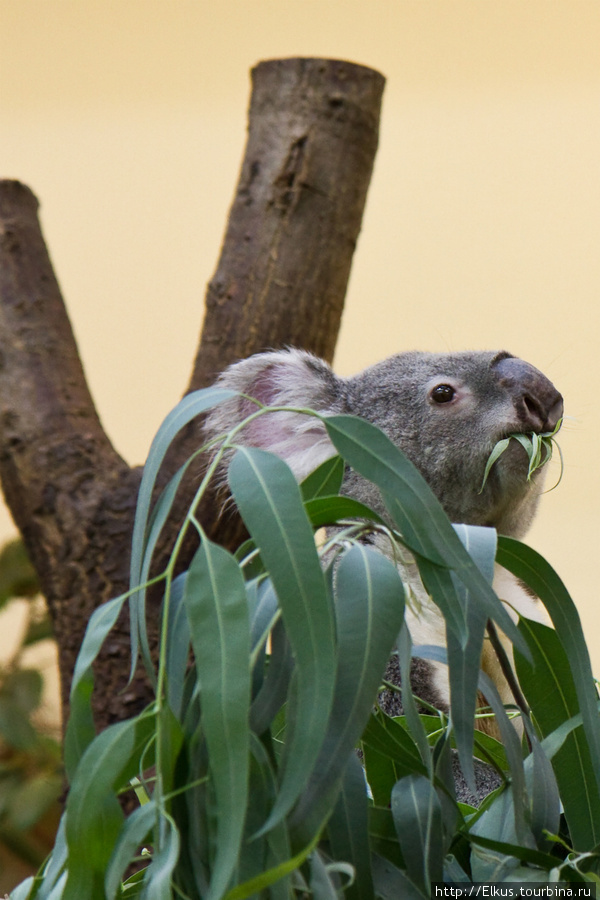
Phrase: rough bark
(70, 494)
(281, 279)
(297, 211)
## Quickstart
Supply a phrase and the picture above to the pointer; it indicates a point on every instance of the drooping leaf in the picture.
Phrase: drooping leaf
(496, 453)
(26, 890)
(545, 806)
(411, 713)
(271, 876)
(418, 820)
(273, 848)
(325, 480)
(94, 816)
(80, 727)
(550, 690)
(418, 514)
(159, 874)
(177, 651)
(323, 883)
(146, 531)
(533, 569)
(383, 839)
(329, 510)
(348, 830)
(370, 613)
(515, 821)
(388, 738)
(543, 861)
(391, 882)
(54, 875)
(464, 662)
(274, 688)
(215, 598)
(508, 814)
(269, 500)
(136, 829)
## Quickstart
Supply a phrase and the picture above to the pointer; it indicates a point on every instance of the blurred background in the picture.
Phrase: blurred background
(127, 119)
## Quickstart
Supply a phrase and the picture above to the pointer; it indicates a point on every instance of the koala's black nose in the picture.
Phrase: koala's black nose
(538, 404)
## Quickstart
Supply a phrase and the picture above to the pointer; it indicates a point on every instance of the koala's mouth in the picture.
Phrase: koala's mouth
(538, 448)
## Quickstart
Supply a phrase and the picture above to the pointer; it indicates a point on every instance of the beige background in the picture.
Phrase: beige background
(127, 119)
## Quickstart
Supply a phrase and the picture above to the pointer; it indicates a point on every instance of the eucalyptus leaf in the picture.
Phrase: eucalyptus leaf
(270, 849)
(271, 876)
(330, 510)
(413, 720)
(392, 883)
(325, 480)
(135, 831)
(496, 453)
(545, 801)
(158, 875)
(192, 405)
(370, 612)
(533, 569)
(177, 651)
(418, 819)
(80, 728)
(94, 817)
(348, 830)
(54, 872)
(274, 688)
(533, 444)
(464, 662)
(25, 890)
(215, 598)
(418, 514)
(270, 502)
(388, 738)
(550, 689)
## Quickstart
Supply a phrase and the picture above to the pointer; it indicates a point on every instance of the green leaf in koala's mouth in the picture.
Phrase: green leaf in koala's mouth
(538, 448)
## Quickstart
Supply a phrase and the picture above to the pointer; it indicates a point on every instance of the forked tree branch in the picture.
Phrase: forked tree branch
(281, 279)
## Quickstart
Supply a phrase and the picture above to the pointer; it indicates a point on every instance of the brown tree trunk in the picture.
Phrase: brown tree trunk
(296, 215)
(281, 279)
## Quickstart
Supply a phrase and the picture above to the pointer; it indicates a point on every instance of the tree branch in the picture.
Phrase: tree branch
(281, 279)
(296, 214)
(70, 493)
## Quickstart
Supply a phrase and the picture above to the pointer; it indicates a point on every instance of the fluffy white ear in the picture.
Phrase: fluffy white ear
(281, 378)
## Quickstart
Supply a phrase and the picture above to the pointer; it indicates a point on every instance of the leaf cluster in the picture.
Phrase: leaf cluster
(270, 661)
(538, 447)
(31, 777)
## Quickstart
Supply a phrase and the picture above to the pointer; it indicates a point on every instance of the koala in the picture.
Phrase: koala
(446, 412)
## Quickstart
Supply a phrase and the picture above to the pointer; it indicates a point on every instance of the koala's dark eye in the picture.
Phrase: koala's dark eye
(442, 393)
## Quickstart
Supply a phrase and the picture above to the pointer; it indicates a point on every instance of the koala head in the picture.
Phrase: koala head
(446, 411)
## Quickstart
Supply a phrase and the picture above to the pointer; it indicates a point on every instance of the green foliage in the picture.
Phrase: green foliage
(31, 777)
(270, 660)
(538, 448)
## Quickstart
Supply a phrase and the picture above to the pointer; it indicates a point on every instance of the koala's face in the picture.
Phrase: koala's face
(445, 411)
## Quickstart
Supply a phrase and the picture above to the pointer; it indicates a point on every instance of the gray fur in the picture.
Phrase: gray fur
(449, 443)
(492, 395)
